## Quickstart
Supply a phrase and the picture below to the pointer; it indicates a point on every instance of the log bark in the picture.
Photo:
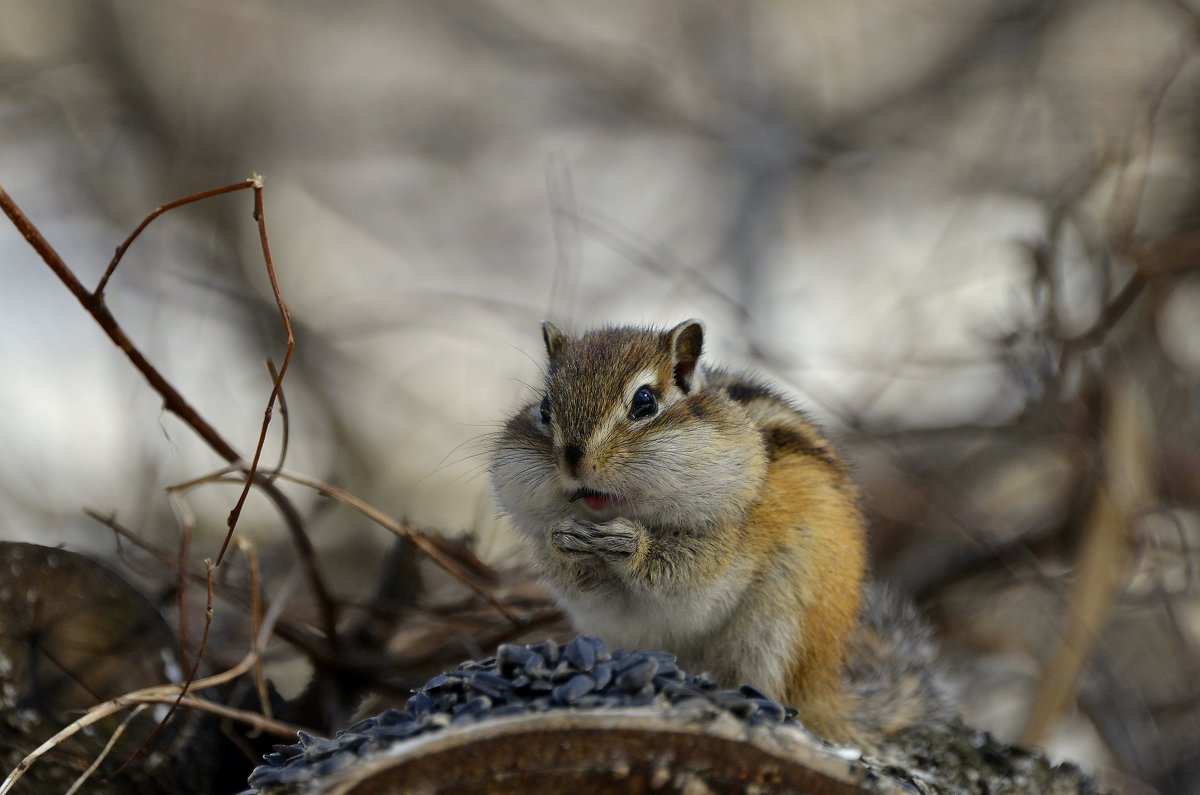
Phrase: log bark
(648, 750)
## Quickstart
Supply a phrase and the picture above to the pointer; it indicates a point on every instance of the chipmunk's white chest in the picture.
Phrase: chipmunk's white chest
(710, 629)
(676, 622)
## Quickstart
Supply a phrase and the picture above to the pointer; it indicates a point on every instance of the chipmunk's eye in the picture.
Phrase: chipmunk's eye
(545, 409)
(643, 405)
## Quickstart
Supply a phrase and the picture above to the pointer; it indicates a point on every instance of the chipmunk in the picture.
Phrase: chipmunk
(670, 505)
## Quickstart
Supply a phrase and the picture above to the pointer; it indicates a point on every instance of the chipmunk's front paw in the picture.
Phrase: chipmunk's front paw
(615, 539)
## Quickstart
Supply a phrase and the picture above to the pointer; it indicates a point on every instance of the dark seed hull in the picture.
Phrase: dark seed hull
(518, 680)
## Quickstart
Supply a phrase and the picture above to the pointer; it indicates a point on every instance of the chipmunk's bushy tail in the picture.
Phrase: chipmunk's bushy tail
(892, 675)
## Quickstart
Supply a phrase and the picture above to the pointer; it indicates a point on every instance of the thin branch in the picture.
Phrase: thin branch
(195, 197)
(170, 694)
(1125, 490)
(1153, 260)
(112, 741)
(276, 388)
(191, 676)
(260, 677)
(154, 695)
(419, 539)
(1129, 191)
(284, 419)
(300, 638)
(187, 522)
(227, 474)
(121, 532)
(173, 401)
(1169, 256)
(1112, 314)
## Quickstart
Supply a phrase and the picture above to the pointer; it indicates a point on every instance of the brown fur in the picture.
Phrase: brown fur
(734, 537)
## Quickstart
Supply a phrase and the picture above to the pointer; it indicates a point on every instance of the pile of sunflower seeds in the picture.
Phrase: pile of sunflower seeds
(518, 680)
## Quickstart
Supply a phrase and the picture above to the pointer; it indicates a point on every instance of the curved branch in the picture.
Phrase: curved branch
(173, 400)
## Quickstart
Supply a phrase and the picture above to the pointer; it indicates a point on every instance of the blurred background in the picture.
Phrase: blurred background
(965, 235)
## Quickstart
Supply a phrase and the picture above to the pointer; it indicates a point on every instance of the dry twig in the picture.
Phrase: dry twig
(191, 675)
(174, 694)
(419, 539)
(1120, 497)
(173, 401)
(260, 677)
(112, 741)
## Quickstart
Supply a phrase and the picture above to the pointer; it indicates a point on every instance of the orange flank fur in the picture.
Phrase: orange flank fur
(805, 512)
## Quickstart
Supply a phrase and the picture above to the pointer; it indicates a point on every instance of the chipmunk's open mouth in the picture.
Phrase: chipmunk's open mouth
(594, 500)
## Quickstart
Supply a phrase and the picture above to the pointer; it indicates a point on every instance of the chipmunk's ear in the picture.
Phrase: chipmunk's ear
(687, 341)
(553, 337)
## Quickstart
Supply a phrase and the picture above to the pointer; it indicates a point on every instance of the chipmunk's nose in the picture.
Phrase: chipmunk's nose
(572, 455)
